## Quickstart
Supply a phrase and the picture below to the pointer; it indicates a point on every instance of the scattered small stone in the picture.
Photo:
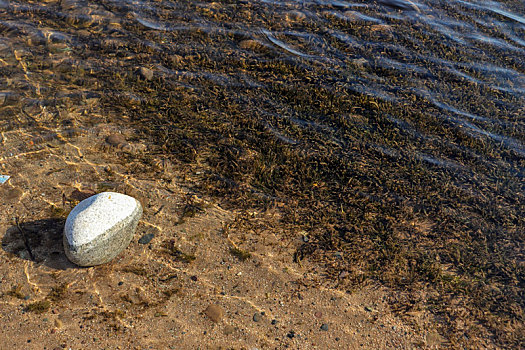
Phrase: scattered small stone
(120, 283)
(214, 312)
(274, 322)
(291, 334)
(228, 330)
(257, 317)
(318, 314)
(116, 140)
(146, 238)
(100, 227)
(194, 278)
(324, 327)
(146, 73)
(368, 308)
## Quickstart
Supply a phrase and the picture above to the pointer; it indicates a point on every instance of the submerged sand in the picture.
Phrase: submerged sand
(201, 282)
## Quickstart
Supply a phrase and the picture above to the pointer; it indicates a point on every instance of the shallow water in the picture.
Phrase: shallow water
(440, 84)
(463, 58)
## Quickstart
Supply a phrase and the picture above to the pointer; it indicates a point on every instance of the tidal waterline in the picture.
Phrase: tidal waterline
(391, 131)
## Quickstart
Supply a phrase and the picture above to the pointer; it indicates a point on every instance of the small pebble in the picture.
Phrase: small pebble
(116, 139)
(318, 314)
(324, 327)
(214, 312)
(291, 334)
(369, 309)
(146, 73)
(194, 278)
(228, 330)
(120, 283)
(274, 322)
(257, 317)
(146, 238)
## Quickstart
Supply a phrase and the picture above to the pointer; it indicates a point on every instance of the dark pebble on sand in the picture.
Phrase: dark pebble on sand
(274, 322)
(257, 317)
(291, 334)
(146, 238)
(120, 283)
(324, 327)
(194, 278)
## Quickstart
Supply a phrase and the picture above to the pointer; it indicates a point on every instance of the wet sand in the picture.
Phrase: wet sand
(154, 295)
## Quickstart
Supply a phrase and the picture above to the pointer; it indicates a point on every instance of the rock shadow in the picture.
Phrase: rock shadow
(39, 241)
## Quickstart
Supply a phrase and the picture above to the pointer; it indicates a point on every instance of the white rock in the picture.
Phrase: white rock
(100, 227)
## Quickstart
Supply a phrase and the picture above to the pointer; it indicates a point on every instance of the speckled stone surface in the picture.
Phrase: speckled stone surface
(100, 227)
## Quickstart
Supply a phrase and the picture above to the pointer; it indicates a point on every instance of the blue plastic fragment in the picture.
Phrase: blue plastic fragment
(4, 178)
